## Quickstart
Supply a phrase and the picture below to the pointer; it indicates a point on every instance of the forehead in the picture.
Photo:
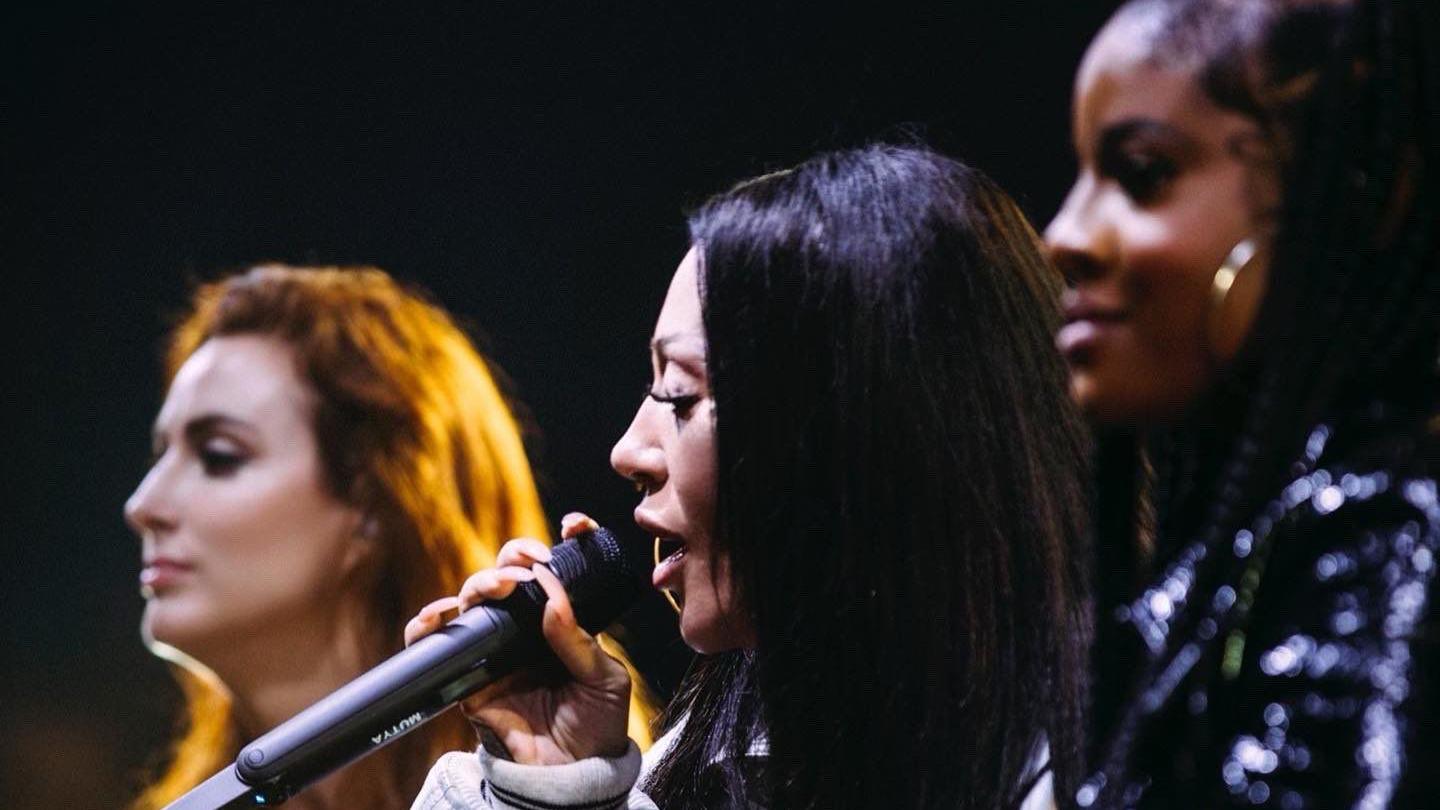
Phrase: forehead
(244, 376)
(680, 315)
(1120, 79)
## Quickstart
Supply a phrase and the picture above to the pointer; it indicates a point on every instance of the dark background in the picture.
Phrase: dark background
(528, 163)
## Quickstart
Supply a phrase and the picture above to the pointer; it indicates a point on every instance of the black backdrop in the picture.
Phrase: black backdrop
(528, 163)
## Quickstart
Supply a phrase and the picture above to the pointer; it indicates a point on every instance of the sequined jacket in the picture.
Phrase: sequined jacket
(1294, 664)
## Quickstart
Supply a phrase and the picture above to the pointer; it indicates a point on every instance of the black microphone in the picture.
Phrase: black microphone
(602, 578)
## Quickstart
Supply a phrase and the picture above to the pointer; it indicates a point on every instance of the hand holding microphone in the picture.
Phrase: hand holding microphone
(523, 616)
(541, 719)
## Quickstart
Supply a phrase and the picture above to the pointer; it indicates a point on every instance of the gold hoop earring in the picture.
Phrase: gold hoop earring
(1224, 278)
(669, 594)
(1230, 269)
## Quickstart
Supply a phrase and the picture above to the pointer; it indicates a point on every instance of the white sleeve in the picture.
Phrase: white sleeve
(1042, 793)
(482, 781)
(1042, 796)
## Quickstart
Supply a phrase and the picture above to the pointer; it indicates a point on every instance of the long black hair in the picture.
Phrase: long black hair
(900, 494)
(1349, 93)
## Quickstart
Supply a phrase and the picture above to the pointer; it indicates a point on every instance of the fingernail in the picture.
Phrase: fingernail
(575, 519)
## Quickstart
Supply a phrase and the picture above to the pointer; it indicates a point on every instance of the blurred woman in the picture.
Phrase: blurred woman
(332, 454)
(1255, 313)
(865, 481)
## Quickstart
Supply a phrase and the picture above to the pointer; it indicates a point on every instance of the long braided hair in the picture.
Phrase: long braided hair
(1349, 93)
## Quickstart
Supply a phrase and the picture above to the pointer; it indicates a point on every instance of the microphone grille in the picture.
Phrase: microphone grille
(602, 576)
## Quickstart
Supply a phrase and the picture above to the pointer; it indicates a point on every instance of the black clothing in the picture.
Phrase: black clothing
(1294, 664)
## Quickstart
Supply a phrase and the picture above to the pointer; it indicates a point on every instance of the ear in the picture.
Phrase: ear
(364, 548)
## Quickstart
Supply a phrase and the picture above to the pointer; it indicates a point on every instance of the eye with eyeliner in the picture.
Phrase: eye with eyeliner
(1144, 175)
(680, 403)
(219, 458)
(1144, 157)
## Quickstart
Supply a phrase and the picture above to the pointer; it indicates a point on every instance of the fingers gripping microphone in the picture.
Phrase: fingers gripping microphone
(602, 579)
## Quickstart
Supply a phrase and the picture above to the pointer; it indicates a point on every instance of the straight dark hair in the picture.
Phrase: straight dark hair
(900, 495)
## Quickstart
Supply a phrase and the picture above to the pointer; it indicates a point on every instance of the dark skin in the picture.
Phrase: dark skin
(1169, 183)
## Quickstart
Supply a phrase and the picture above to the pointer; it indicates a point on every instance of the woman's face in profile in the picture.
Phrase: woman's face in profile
(669, 451)
(239, 534)
(1169, 183)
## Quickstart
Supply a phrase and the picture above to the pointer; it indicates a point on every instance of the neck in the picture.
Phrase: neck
(273, 678)
(1189, 456)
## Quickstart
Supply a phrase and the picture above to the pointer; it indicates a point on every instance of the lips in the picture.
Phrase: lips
(1087, 318)
(161, 573)
(671, 552)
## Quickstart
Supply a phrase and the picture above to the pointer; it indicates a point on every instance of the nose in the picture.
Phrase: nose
(1080, 239)
(638, 455)
(147, 510)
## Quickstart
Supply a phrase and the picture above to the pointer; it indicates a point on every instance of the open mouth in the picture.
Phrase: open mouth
(668, 549)
(668, 553)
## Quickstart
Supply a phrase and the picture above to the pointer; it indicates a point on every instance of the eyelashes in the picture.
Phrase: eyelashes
(215, 463)
(681, 404)
(1144, 178)
(218, 464)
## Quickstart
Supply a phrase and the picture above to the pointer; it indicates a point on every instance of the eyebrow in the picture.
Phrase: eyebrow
(1115, 136)
(206, 424)
(661, 342)
(660, 350)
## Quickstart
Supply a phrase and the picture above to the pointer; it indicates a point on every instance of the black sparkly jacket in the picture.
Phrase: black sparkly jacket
(1306, 673)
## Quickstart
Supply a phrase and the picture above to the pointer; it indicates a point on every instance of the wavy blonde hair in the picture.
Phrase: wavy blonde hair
(413, 428)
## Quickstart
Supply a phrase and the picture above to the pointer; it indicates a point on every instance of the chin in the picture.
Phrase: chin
(714, 635)
(1097, 400)
(172, 627)
(1121, 399)
(699, 640)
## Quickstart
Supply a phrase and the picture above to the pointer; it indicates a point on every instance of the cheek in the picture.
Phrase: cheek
(1169, 282)
(691, 461)
(1159, 359)
(269, 548)
(282, 524)
(1172, 252)
(711, 622)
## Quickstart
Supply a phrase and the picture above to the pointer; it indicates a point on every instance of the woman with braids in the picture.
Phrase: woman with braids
(331, 455)
(1254, 315)
(865, 480)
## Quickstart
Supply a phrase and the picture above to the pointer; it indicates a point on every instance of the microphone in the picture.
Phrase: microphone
(484, 643)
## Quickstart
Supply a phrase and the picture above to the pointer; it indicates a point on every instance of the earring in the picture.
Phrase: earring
(1224, 277)
(669, 594)
(1235, 263)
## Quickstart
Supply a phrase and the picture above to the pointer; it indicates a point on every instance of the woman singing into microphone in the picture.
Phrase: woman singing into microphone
(1252, 243)
(865, 480)
(332, 454)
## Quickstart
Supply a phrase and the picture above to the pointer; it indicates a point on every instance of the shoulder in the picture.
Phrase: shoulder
(1041, 794)
(1347, 553)
(1332, 663)
(660, 748)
